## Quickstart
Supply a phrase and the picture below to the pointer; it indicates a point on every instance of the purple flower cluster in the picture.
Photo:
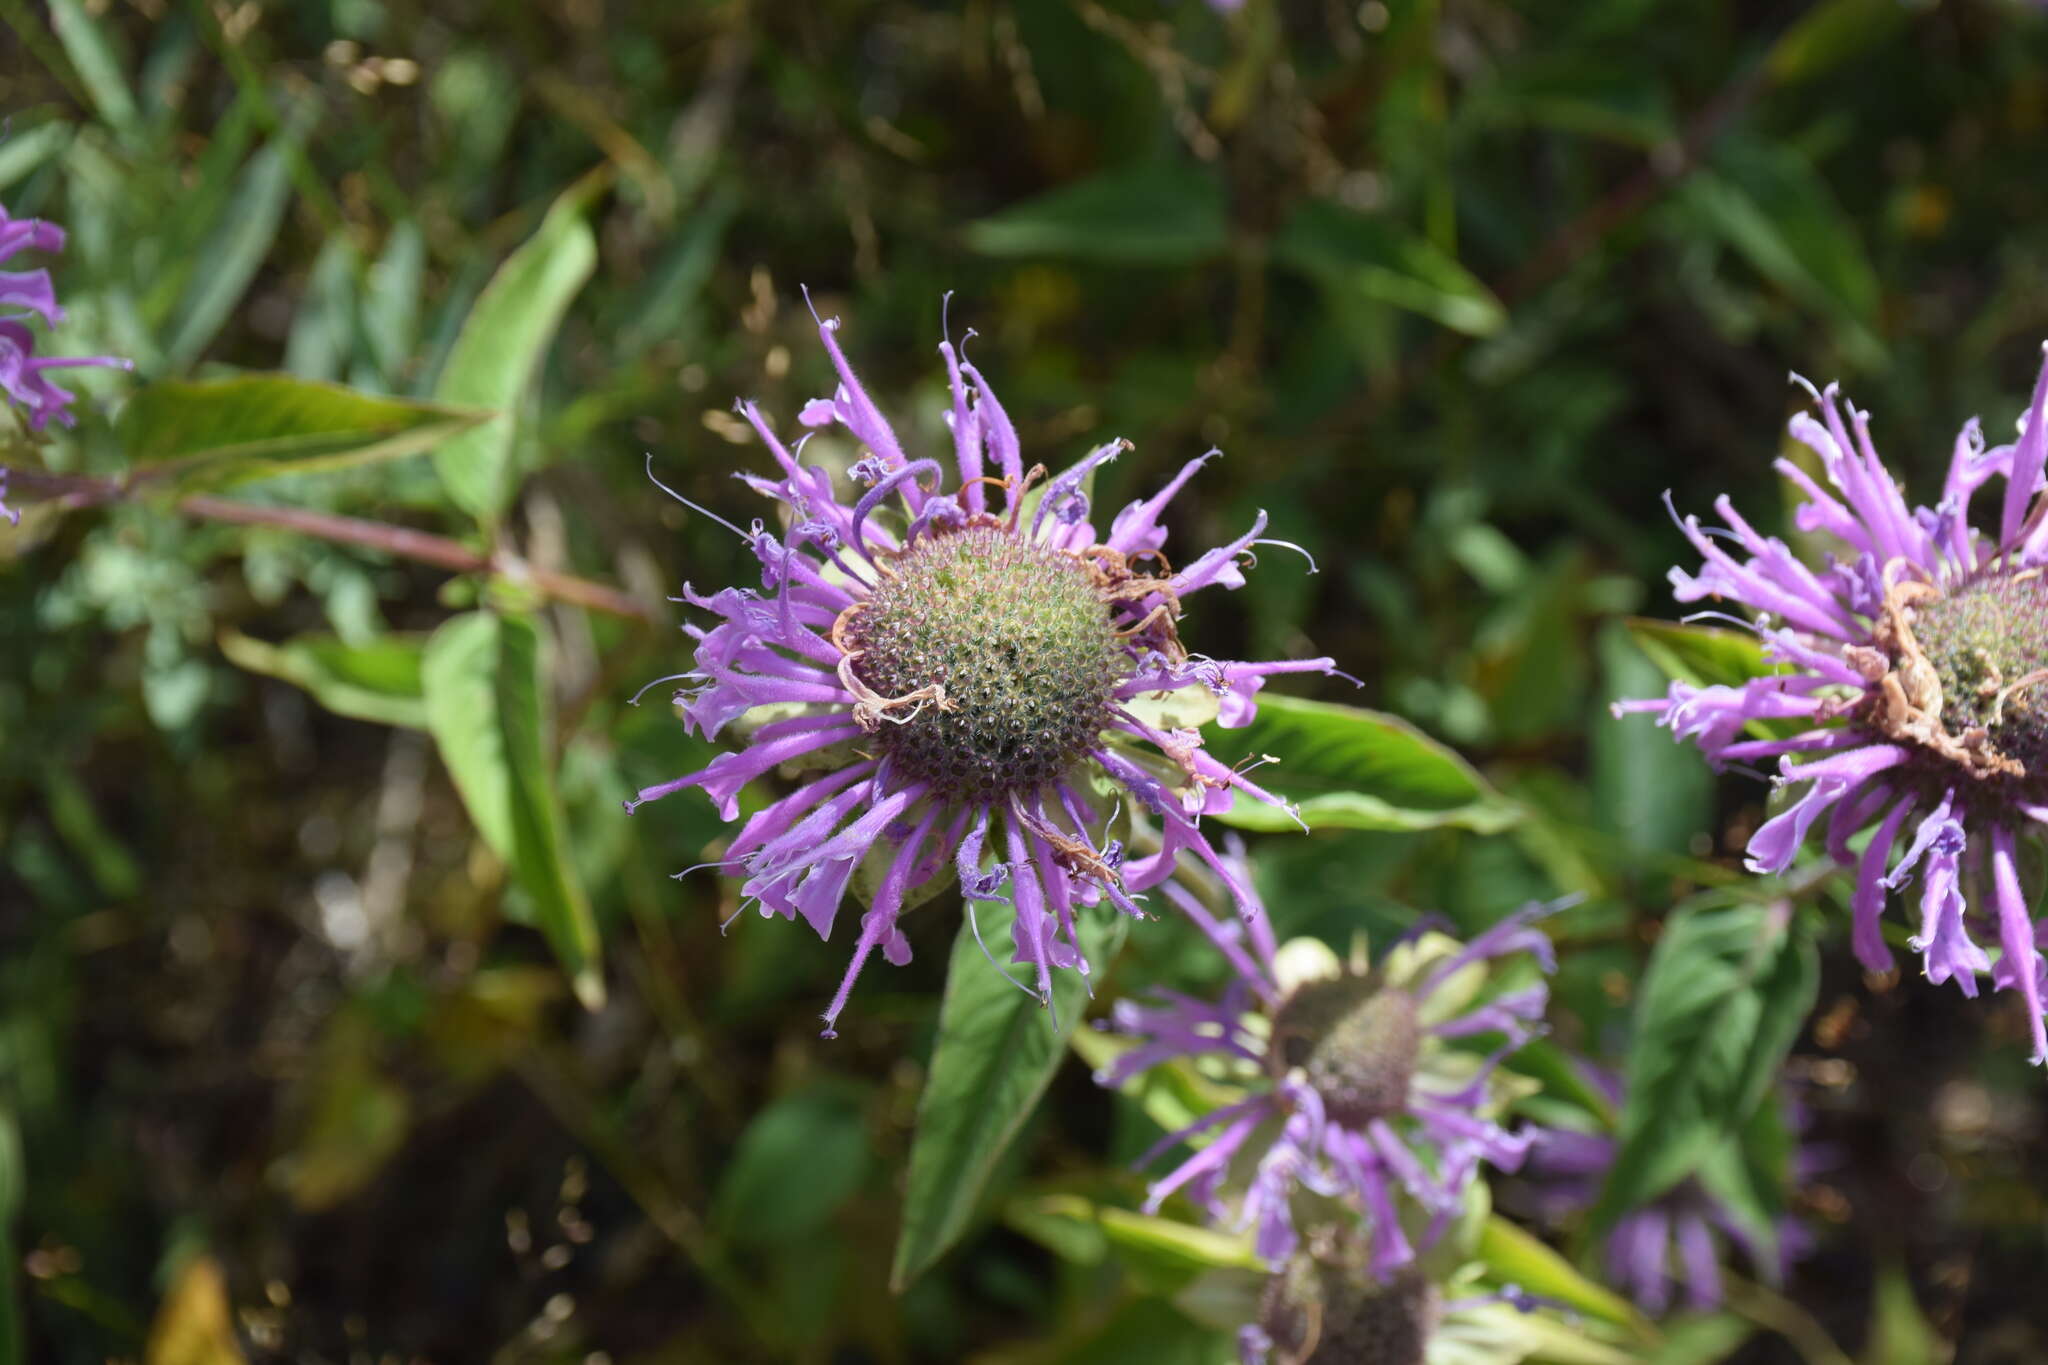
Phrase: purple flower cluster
(25, 294)
(959, 681)
(1355, 1088)
(1910, 701)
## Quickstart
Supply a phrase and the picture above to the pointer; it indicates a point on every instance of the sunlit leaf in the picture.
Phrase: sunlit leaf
(1704, 656)
(216, 432)
(1899, 1331)
(1514, 1256)
(1164, 1243)
(500, 348)
(378, 681)
(1655, 794)
(195, 1324)
(1349, 768)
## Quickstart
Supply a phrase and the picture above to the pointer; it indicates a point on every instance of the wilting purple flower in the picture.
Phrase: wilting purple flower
(1677, 1236)
(960, 677)
(26, 293)
(1355, 1090)
(1913, 666)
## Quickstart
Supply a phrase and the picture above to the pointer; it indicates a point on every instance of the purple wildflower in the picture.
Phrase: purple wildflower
(1912, 669)
(1682, 1230)
(1354, 1088)
(25, 293)
(962, 679)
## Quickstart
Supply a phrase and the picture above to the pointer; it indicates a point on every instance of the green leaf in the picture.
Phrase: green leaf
(500, 348)
(995, 1056)
(484, 689)
(1831, 33)
(13, 1183)
(1704, 656)
(1173, 1094)
(1899, 1332)
(1702, 1340)
(819, 1132)
(1350, 768)
(323, 333)
(231, 254)
(1141, 1328)
(218, 432)
(1171, 213)
(92, 54)
(378, 682)
(1724, 997)
(1748, 1174)
(1350, 252)
(1512, 1256)
(1162, 1244)
(389, 308)
(1654, 794)
(1775, 210)
(27, 148)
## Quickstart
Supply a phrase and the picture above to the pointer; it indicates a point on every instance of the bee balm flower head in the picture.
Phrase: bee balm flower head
(1915, 673)
(959, 672)
(1356, 1087)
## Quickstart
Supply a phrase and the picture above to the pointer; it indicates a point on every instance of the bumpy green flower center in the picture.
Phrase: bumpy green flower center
(1332, 1312)
(1988, 643)
(1012, 650)
(1356, 1039)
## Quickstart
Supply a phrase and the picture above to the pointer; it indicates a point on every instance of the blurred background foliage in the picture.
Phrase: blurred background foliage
(1460, 287)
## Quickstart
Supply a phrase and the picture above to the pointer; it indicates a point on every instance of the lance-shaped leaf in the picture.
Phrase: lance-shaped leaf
(1052, 1219)
(995, 1055)
(1166, 214)
(1365, 255)
(1701, 655)
(484, 689)
(1513, 1256)
(234, 250)
(1349, 768)
(501, 345)
(378, 682)
(211, 433)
